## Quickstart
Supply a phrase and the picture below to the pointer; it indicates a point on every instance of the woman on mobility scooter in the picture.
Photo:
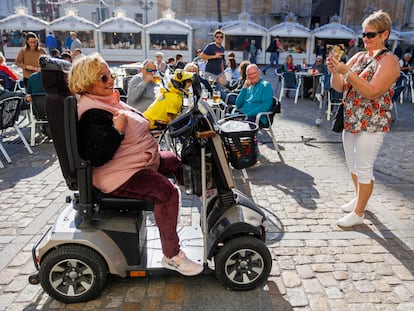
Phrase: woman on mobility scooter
(116, 139)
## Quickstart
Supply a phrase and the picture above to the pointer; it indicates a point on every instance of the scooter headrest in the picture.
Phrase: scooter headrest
(54, 64)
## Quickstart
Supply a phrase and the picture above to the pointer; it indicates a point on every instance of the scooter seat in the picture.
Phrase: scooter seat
(108, 202)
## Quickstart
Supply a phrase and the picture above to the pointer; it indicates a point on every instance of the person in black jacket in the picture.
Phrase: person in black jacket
(274, 49)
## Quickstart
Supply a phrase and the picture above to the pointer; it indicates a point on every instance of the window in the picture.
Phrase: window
(121, 40)
(168, 42)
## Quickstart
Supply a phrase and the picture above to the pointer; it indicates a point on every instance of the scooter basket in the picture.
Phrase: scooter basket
(240, 145)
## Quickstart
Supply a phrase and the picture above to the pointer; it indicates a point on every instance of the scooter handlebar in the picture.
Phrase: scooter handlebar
(205, 134)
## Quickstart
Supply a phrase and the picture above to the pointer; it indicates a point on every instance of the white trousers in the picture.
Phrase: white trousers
(361, 150)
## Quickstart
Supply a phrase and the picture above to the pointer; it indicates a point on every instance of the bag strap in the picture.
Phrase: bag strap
(363, 68)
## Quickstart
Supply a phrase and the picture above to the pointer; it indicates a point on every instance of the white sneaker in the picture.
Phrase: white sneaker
(349, 207)
(349, 220)
(182, 264)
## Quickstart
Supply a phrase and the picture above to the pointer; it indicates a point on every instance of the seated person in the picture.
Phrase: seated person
(159, 62)
(405, 63)
(6, 93)
(236, 86)
(318, 68)
(126, 161)
(231, 72)
(193, 67)
(76, 54)
(256, 95)
(55, 53)
(288, 65)
(66, 56)
(141, 88)
(170, 101)
(304, 66)
(34, 85)
(8, 76)
(179, 64)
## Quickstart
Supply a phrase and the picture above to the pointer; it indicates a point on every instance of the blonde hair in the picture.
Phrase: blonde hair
(2, 58)
(380, 20)
(85, 72)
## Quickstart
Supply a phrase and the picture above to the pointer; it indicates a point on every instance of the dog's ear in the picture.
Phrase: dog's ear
(196, 86)
(179, 76)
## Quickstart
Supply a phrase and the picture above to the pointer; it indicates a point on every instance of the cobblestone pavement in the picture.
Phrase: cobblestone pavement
(316, 264)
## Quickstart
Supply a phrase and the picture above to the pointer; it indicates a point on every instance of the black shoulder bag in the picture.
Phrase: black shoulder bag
(338, 121)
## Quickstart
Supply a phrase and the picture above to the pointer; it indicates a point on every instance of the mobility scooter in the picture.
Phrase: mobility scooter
(96, 234)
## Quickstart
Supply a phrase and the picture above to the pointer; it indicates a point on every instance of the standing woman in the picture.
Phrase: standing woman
(367, 80)
(28, 57)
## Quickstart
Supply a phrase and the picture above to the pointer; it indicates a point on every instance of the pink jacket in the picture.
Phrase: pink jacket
(137, 151)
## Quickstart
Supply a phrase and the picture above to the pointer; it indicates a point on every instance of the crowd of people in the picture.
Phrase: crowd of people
(154, 97)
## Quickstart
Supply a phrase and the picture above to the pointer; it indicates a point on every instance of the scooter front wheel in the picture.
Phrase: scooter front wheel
(243, 263)
(73, 273)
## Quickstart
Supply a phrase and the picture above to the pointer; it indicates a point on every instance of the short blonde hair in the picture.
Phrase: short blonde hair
(380, 20)
(84, 72)
(191, 66)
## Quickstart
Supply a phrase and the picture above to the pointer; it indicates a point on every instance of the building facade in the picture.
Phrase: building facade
(204, 16)
(310, 13)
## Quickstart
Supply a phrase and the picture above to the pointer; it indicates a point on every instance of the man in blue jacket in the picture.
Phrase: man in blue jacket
(51, 42)
(256, 95)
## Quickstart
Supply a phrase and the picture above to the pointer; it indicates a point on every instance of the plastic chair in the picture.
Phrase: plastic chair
(7, 82)
(19, 86)
(269, 115)
(38, 114)
(124, 98)
(403, 84)
(334, 99)
(324, 85)
(230, 107)
(9, 113)
(290, 82)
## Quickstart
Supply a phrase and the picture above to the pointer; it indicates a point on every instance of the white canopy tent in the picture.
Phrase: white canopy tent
(12, 28)
(169, 36)
(121, 39)
(235, 34)
(295, 39)
(332, 33)
(86, 31)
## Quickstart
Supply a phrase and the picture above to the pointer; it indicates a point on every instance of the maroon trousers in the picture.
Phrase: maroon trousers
(153, 186)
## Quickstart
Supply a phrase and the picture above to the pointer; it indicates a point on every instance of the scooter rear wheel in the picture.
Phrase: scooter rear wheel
(73, 273)
(243, 263)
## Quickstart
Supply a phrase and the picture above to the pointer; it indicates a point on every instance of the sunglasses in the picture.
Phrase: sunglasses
(371, 35)
(219, 37)
(105, 78)
(150, 70)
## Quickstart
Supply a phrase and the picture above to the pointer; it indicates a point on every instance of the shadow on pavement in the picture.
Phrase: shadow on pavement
(288, 179)
(25, 165)
(174, 293)
(390, 242)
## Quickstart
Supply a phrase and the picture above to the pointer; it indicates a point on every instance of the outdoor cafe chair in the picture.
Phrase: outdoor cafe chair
(290, 82)
(38, 114)
(9, 113)
(267, 115)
